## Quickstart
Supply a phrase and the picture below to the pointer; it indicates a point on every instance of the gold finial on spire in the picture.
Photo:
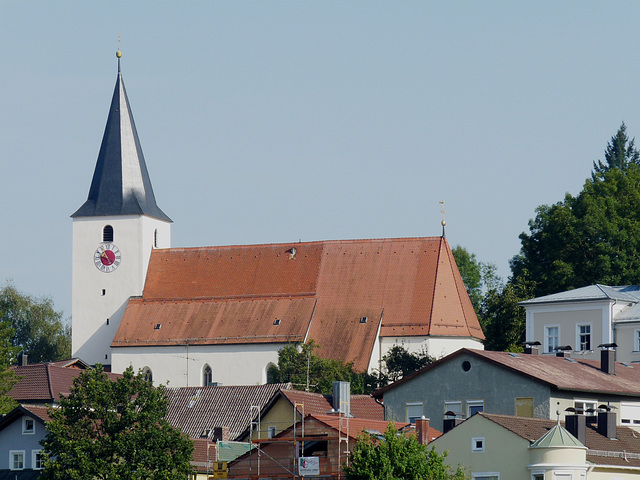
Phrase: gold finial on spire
(444, 222)
(119, 53)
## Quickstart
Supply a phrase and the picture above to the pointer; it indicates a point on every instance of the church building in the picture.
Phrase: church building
(219, 315)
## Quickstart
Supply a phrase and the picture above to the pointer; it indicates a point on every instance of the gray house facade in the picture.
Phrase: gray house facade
(470, 381)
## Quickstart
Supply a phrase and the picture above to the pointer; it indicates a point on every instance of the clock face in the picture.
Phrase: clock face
(107, 257)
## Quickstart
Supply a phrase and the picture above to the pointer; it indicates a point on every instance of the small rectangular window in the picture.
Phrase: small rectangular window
(474, 406)
(583, 338)
(551, 338)
(414, 412)
(37, 459)
(477, 444)
(585, 407)
(271, 432)
(537, 475)
(28, 426)
(486, 476)
(454, 407)
(524, 407)
(16, 460)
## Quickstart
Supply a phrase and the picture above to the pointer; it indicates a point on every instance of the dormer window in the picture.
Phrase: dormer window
(276, 322)
(107, 233)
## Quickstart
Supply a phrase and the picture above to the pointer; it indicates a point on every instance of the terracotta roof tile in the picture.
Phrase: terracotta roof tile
(362, 406)
(404, 287)
(196, 409)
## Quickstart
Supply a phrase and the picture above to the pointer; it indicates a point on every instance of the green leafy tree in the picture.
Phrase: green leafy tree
(108, 429)
(8, 355)
(303, 368)
(38, 329)
(620, 153)
(397, 456)
(399, 363)
(478, 277)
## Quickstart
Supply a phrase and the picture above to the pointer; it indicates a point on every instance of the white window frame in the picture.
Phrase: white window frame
(485, 476)
(578, 334)
(12, 455)
(474, 444)
(636, 340)
(563, 475)
(584, 402)
(271, 431)
(34, 459)
(474, 403)
(25, 430)
(413, 404)
(547, 336)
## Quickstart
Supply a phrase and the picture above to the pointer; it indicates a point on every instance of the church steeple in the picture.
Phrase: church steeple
(121, 183)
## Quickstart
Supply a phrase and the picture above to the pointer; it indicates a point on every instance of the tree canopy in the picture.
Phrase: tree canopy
(593, 237)
(108, 429)
(397, 456)
(38, 329)
(399, 363)
(478, 277)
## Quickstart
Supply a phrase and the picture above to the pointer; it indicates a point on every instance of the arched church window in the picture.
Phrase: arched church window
(148, 375)
(271, 372)
(207, 376)
(107, 233)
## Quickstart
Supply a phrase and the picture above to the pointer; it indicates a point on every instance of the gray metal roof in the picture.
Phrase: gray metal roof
(627, 293)
(121, 184)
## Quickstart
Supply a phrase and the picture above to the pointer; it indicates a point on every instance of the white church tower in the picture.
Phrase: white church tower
(114, 232)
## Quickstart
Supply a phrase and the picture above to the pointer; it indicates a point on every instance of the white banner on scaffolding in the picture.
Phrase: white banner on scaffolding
(308, 466)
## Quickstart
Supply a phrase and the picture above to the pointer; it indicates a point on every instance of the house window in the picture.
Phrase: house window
(630, 413)
(524, 407)
(107, 233)
(562, 476)
(271, 432)
(477, 444)
(207, 376)
(414, 412)
(16, 460)
(583, 337)
(636, 340)
(586, 407)
(537, 475)
(37, 459)
(485, 476)
(28, 426)
(551, 338)
(474, 406)
(454, 406)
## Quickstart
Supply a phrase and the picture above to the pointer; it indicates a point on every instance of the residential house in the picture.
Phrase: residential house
(505, 447)
(290, 406)
(21, 431)
(199, 316)
(587, 317)
(471, 381)
(316, 447)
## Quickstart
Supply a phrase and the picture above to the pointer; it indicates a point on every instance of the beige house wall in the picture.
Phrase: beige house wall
(567, 322)
(504, 451)
(280, 415)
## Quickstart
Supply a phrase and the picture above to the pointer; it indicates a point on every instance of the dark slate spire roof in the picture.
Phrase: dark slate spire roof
(121, 184)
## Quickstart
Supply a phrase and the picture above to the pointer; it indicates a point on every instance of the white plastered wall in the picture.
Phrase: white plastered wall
(98, 296)
(182, 366)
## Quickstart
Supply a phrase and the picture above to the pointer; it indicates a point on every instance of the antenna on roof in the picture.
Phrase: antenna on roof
(444, 222)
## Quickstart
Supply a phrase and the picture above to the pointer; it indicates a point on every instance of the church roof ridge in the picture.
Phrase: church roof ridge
(121, 183)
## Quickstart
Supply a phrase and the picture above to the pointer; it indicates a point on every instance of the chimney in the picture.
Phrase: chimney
(221, 434)
(607, 361)
(342, 397)
(607, 424)
(422, 430)
(450, 421)
(22, 360)
(576, 425)
(563, 354)
(531, 350)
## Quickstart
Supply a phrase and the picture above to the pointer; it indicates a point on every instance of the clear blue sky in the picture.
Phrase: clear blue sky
(283, 121)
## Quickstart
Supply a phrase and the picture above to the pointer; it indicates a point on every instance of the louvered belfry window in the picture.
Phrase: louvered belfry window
(107, 233)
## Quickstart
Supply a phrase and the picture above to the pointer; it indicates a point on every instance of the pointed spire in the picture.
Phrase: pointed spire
(121, 184)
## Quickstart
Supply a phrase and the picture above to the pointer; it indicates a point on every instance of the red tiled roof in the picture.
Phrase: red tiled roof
(358, 425)
(44, 382)
(362, 406)
(233, 294)
(558, 372)
(627, 439)
(196, 409)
